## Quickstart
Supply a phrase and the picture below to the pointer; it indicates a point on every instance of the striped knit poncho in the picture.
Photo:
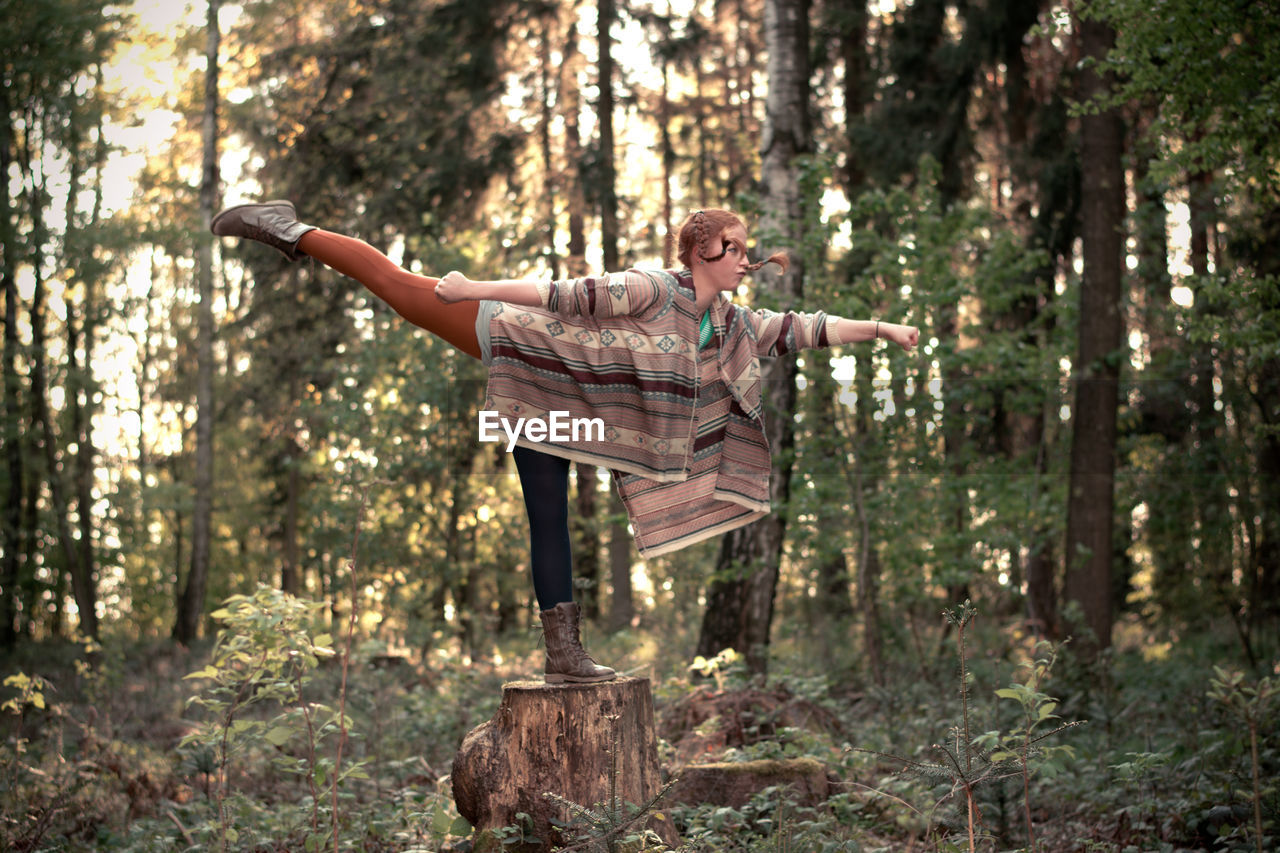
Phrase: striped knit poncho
(622, 347)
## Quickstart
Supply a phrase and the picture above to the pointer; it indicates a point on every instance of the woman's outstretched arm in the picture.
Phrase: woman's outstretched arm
(456, 287)
(631, 293)
(782, 333)
(857, 331)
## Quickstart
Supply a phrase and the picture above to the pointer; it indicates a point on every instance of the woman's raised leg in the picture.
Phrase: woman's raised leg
(412, 296)
(275, 224)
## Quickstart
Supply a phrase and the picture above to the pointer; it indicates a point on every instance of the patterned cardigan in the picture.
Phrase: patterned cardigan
(622, 347)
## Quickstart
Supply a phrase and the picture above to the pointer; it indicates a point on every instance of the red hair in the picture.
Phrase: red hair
(703, 226)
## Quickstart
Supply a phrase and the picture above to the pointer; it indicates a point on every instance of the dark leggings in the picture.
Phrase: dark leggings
(544, 479)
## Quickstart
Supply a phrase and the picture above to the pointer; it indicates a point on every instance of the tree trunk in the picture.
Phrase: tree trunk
(290, 565)
(86, 387)
(668, 150)
(586, 542)
(833, 581)
(851, 24)
(544, 142)
(594, 745)
(1097, 369)
(191, 601)
(864, 484)
(11, 544)
(1020, 429)
(740, 602)
(1213, 533)
(621, 604)
(609, 231)
(576, 263)
(702, 172)
(1266, 598)
(850, 21)
(466, 597)
(604, 115)
(83, 587)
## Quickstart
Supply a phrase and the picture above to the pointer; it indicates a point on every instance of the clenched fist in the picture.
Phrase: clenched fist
(454, 287)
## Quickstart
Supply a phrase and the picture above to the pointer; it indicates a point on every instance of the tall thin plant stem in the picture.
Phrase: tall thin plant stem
(224, 746)
(346, 662)
(1026, 790)
(961, 617)
(1257, 783)
(311, 755)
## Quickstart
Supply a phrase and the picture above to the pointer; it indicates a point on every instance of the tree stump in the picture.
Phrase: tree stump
(558, 739)
(733, 784)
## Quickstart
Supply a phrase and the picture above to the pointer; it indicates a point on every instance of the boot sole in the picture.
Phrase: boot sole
(573, 679)
(213, 226)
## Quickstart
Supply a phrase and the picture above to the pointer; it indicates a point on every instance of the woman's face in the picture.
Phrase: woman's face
(727, 271)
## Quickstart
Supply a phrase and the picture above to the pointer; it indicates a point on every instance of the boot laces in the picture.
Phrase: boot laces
(579, 651)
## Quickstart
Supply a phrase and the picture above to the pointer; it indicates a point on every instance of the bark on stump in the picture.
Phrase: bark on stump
(558, 739)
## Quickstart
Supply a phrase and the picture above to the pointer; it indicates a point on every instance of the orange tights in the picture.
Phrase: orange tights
(412, 296)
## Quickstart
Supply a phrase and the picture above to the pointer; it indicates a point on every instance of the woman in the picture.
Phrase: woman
(662, 358)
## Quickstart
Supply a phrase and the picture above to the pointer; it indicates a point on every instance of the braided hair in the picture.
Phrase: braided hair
(703, 226)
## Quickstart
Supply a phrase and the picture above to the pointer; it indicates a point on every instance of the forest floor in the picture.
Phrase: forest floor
(119, 749)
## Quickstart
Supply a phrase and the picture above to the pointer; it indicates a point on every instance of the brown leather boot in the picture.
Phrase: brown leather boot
(274, 223)
(567, 660)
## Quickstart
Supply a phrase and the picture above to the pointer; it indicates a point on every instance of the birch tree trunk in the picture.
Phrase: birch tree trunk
(191, 600)
(740, 603)
(1097, 369)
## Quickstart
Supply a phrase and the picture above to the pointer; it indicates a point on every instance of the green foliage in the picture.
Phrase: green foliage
(64, 776)
(519, 833)
(30, 692)
(20, 775)
(264, 656)
(1162, 765)
(727, 668)
(1025, 744)
(966, 763)
(1215, 85)
(772, 822)
(919, 445)
(1254, 704)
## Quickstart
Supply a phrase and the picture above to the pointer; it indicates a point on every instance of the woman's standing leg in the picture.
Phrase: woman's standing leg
(544, 479)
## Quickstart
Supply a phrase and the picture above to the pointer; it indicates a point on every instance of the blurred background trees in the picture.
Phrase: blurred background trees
(1074, 204)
